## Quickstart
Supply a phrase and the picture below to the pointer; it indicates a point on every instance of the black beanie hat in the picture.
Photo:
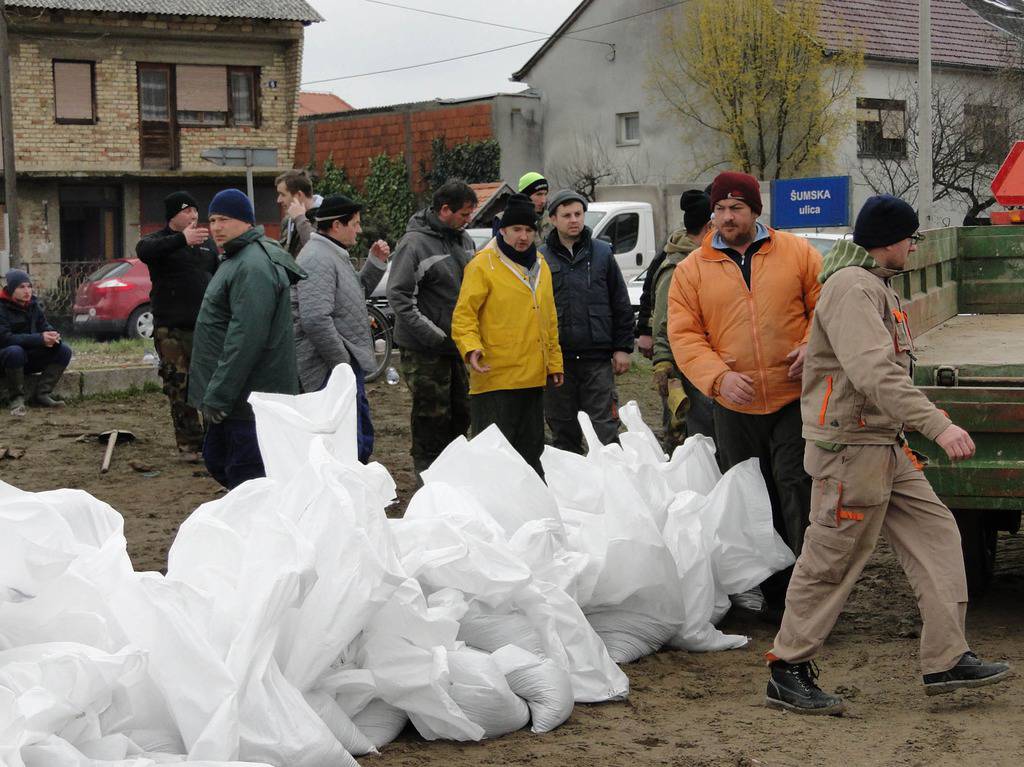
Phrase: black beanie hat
(696, 207)
(177, 202)
(14, 278)
(884, 220)
(519, 210)
(336, 206)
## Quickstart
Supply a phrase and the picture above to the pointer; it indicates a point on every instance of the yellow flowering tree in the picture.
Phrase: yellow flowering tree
(756, 75)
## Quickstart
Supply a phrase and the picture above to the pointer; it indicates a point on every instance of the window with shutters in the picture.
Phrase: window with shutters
(74, 92)
(882, 128)
(202, 97)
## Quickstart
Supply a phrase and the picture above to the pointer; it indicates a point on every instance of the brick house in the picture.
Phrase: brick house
(115, 100)
(353, 137)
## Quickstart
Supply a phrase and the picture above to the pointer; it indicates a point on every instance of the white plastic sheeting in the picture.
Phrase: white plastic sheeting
(298, 626)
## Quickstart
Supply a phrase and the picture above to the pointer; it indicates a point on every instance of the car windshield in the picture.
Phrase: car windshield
(111, 269)
(821, 244)
(593, 217)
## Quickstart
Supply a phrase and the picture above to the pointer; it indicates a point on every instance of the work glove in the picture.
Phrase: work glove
(662, 372)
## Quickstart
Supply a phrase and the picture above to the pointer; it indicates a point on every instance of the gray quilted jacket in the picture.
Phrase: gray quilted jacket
(329, 311)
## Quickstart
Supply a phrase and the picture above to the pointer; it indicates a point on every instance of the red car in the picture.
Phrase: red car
(114, 301)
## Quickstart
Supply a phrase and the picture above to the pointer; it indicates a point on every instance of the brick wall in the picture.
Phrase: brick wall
(112, 143)
(353, 138)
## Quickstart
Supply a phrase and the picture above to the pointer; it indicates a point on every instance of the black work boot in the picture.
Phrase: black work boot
(792, 688)
(44, 388)
(16, 390)
(970, 671)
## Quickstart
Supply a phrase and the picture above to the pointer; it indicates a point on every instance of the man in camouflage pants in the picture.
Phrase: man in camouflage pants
(174, 347)
(181, 258)
(423, 286)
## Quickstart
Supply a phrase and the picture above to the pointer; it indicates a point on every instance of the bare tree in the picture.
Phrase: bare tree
(589, 165)
(970, 138)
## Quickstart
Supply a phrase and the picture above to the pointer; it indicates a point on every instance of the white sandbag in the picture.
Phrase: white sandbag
(405, 646)
(685, 536)
(479, 687)
(638, 435)
(380, 722)
(595, 676)
(630, 634)
(442, 556)
(338, 722)
(542, 683)
(490, 631)
(497, 477)
(747, 549)
(286, 425)
(692, 466)
(543, 545)
(61, 552)
(440, 500)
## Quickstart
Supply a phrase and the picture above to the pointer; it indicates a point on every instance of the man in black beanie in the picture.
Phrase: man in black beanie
(181, 258)
(686, 409)
(858, 396)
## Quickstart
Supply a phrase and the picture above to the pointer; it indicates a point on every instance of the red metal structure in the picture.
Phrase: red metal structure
(1008, 187)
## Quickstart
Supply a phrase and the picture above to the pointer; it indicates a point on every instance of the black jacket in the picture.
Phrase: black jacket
(22, 325)
(179, 274)
(424, 283)
(595, 317)
(643, 316)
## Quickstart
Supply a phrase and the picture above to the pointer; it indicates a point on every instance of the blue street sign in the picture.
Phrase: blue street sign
(799, 203)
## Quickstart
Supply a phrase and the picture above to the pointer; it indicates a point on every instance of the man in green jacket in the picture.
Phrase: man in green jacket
(243, 338)
(687, 410)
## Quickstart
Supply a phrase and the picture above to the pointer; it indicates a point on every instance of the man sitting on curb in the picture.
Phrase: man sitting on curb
(28, 344)
(857, 396)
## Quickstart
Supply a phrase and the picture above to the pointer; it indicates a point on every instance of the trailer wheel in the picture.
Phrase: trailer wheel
(978, 541)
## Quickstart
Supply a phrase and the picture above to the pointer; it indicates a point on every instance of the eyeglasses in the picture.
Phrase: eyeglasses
(916, 238)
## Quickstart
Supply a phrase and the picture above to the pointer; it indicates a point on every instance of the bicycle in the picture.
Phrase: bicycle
(381, 333)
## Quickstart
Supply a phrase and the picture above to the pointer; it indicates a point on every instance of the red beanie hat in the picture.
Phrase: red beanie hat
(731, 185)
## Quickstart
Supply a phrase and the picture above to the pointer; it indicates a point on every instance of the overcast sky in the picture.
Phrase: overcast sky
(359, 36)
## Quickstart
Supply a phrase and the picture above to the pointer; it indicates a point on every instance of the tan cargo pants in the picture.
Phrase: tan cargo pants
(857, 492)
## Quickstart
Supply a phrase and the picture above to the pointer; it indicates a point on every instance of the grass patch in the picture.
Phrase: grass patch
(149, 387)
(90, 353)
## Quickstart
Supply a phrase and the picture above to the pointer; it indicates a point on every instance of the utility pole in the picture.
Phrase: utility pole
(12, 257)
(924, 117)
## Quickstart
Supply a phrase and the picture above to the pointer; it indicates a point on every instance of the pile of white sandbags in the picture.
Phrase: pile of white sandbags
(298, 626)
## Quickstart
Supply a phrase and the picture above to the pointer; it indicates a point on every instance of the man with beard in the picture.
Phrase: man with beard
(739, 317)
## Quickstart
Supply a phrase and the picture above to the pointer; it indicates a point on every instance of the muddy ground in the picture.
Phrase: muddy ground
(685, 709)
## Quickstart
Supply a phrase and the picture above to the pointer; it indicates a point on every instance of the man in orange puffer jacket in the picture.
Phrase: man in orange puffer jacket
(739, 316)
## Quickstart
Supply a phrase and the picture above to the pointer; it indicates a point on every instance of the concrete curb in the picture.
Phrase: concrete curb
(76, 384)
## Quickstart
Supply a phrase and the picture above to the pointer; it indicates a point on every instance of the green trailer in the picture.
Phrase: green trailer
(965, 297)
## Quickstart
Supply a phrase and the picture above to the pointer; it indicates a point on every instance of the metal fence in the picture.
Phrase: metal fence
(58, 295)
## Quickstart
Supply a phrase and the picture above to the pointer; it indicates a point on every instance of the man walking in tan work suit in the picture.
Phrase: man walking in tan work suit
(857, 397)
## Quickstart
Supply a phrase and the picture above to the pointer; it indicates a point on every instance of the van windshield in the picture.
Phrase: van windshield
(593, 217)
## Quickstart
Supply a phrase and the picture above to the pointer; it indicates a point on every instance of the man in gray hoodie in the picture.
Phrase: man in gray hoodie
(423, 286)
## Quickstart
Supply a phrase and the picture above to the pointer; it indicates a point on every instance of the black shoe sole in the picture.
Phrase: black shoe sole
(941, 688)
(836, 710)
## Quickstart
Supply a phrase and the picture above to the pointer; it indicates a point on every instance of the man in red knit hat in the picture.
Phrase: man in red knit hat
(739, 316)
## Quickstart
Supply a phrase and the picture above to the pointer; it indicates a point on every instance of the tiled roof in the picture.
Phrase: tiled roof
(315, 103)
(486, 194)
(889, 30)
(285, 10)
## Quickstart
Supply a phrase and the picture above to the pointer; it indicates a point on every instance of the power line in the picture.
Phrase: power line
(477, 21)
(425, 63)
(489, 50)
